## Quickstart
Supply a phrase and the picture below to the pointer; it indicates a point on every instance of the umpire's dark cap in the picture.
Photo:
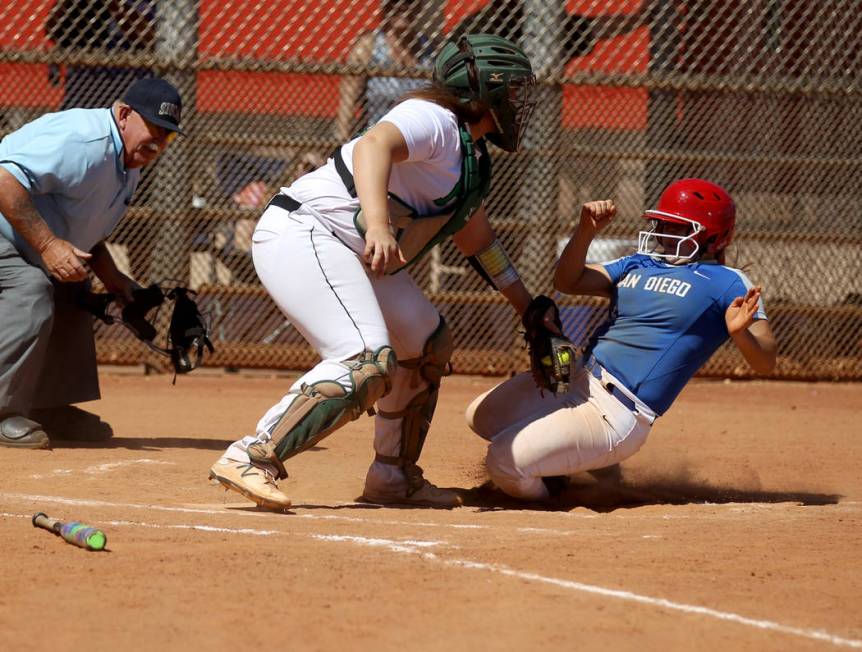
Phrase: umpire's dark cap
(157, 101)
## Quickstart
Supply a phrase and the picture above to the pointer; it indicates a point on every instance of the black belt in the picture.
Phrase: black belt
(612, 389)
(284, 201)
(290, 204)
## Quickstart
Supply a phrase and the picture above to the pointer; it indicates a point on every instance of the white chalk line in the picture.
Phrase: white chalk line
(83, 502)
(314, 517)
(815, 634)
(414, 547)
(163, 526)
(356, 519)
(411, 546)
(100, 468)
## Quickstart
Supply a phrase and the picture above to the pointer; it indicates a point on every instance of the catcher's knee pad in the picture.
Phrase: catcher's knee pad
(321, 408)
(432, 365)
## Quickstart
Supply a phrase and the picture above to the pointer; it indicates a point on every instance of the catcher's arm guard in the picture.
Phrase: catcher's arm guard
(553, 358)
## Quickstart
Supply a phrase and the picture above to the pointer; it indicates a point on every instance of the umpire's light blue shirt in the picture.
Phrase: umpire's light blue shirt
(71, 163)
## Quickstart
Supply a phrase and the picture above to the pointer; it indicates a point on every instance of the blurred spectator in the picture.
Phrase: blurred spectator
(251, 195)
(398, 42)
(250, 181)
(100, 28)
(247, 182)
(506, 18)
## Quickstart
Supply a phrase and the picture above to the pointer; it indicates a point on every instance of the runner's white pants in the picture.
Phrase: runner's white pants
(534, 436)
(324, 290)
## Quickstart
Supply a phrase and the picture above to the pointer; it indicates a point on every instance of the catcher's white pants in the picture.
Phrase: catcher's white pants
(324, 290)
(534, 436)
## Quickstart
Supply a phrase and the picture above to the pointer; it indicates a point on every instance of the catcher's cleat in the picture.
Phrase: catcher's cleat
(413, 490)
(19, 432)
(252, 481)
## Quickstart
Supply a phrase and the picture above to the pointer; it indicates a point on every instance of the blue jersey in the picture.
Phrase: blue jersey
(665, 322)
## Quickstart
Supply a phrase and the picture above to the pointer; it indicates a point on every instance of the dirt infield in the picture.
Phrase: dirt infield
(737, 527)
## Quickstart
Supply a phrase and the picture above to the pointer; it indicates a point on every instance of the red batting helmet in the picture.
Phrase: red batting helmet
(704, 205)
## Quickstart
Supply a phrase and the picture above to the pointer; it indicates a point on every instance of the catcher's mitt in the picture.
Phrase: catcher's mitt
(187, 333)
(553, 358)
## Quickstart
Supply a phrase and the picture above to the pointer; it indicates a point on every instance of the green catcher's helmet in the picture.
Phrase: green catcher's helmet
(495, 71)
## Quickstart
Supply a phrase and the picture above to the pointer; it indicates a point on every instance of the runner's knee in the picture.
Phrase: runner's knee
(509, 478)
(475, 422)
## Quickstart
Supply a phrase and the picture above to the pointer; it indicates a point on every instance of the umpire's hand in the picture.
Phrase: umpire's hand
(64, 261)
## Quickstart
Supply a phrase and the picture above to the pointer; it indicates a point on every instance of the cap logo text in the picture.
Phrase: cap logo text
(170, 110)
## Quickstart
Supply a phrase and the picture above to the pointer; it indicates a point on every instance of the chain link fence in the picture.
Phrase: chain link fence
(761, 96)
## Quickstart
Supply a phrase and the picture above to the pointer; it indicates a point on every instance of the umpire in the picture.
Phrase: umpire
(66, 179)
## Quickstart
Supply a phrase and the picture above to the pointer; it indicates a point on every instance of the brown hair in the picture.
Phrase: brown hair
(470, 112)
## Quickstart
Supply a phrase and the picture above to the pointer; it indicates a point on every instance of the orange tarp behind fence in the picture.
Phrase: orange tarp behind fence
(315, 32)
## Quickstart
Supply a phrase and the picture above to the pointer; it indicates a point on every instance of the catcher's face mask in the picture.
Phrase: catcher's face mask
(187, 335)
(513, 112)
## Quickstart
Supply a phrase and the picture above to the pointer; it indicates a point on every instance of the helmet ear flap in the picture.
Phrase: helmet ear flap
(709, 242)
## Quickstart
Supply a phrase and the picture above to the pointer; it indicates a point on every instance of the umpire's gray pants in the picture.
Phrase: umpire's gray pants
(47, 352)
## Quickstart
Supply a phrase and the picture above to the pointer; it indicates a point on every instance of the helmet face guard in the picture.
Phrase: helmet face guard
(496, 72)
(669, 246)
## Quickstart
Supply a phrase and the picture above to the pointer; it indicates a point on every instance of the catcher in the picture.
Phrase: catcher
(334, 251)
(673, 303)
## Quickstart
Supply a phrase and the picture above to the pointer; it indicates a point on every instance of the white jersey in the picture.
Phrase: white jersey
(431, 171)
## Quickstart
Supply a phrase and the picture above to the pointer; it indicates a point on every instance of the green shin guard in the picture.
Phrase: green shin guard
(323, 407)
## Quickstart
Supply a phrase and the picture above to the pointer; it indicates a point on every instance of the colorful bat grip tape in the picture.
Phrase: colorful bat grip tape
(83, 535)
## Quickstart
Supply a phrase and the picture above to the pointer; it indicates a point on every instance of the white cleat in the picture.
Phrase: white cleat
(254, 482)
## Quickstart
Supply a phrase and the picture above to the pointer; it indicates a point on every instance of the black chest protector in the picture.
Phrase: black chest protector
(418, 234)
